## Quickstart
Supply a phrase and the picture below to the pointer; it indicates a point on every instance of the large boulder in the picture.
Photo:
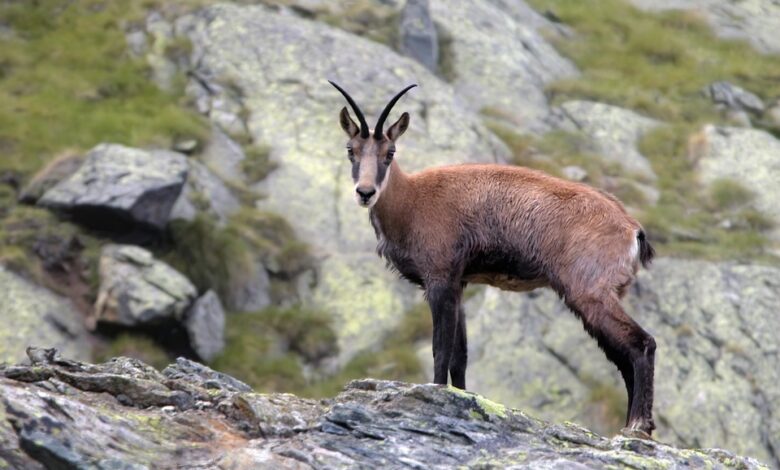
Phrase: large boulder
(288, 105)
(61, 413)
(501, 62)
(204, 193)
(137, 290)
(749, 156)
(205, 324)
(752, 20)
(32, 315)
(118, 184)
(613, 132)
(716, 363)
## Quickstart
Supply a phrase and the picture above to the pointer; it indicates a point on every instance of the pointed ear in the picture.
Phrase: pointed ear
(347, 123)
(400, 126)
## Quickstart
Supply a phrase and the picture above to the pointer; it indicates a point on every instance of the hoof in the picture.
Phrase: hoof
(636, 433)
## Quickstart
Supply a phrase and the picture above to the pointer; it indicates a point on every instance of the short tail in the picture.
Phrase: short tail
(646, 251)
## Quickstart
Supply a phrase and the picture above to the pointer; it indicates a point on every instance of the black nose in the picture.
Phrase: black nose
(366, 193)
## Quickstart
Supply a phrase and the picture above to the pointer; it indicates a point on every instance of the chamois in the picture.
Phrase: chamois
(510, 227)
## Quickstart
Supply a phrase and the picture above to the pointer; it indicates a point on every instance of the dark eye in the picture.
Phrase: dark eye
(390, 154)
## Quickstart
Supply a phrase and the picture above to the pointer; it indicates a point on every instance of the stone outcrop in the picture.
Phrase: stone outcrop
(32, 314)
(136, 289)
(716, 364)
(205, 324)
(745, 155)
(60, 413)
(120, 185)
(204, 193)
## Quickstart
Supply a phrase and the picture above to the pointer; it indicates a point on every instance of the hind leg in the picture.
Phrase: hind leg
(630, 348)
(459, 358)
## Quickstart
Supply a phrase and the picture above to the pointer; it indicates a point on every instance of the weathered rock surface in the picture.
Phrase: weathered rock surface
(140, 186)
(613, 131)
(245, 78)
(32, 314)
(56, 171)
(124, 414)
(745, 155)
(204, 193)
(418, 37)
(205, 324)
(734, 97)
(136, 289)
(500, 59)
(753, 20)
(716, 364)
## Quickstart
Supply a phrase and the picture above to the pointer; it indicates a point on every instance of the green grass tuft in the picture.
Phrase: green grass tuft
(68, 82)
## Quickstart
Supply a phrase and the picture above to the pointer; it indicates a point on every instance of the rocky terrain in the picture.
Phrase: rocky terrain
(60, 413)
(183, 191)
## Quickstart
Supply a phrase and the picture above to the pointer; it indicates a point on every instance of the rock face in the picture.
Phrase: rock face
(734, 97)
(501, 60)
(140, 186)
(745, 155)
(613, 131)
(753, 20)
(136, 289)
(124, 414)
(716, 363)
(205, 323)
(419, 39)
(56, 171)
(204, 193)
(34, 315)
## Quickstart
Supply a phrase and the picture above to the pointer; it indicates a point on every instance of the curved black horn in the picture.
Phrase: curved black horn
(358, 113)
(383, 117)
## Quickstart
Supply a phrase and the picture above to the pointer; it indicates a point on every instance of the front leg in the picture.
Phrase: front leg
(443, 299)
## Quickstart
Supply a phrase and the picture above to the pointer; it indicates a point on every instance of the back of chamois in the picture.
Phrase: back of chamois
(510, 227)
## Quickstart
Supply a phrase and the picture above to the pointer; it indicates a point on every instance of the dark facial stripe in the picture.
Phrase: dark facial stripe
(355, 170)
(381, 170)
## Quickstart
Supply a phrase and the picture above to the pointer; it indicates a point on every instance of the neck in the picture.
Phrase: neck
(391, 209)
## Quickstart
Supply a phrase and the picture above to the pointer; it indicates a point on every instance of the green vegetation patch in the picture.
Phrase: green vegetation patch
(134, 345)
(67, 81)
(654, 63)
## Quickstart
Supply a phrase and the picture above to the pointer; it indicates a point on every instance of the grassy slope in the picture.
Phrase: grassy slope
(657, 64)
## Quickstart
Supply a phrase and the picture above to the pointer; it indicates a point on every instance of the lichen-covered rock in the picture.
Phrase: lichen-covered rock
(65, 414)
(137, 289)
(745, 155)
(288, 104)
(122, 184)
(716, 363)
(613, 131)
(33, 315)
(500, 60)
(205, 193)
(418, 37)
(753, 20)
(205, 324)
(734, 97)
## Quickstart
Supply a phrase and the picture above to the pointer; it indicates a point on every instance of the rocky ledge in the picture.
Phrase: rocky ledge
(124, 414)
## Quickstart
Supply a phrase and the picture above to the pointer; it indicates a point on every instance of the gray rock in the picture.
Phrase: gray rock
(205, 323)
(748, 156)
(716, 363)
(613, 132)
(500, 58)
(752, 20)
(136, 289)
(129, 183)
(418, 36)
(224, 156)
(57, 170)
(206, 193)
(734, 97)
(289, 105)
(574, 173)
(123, 414)
(253, 293)
(32, 315)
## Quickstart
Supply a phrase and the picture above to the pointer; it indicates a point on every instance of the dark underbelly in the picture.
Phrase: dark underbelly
(505, 270)
(506, 281)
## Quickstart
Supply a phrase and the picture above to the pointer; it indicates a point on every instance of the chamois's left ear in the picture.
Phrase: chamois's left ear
(399, 127)
(347, 123)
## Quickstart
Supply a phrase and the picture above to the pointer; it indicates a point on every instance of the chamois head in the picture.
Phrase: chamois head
(371, 153)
